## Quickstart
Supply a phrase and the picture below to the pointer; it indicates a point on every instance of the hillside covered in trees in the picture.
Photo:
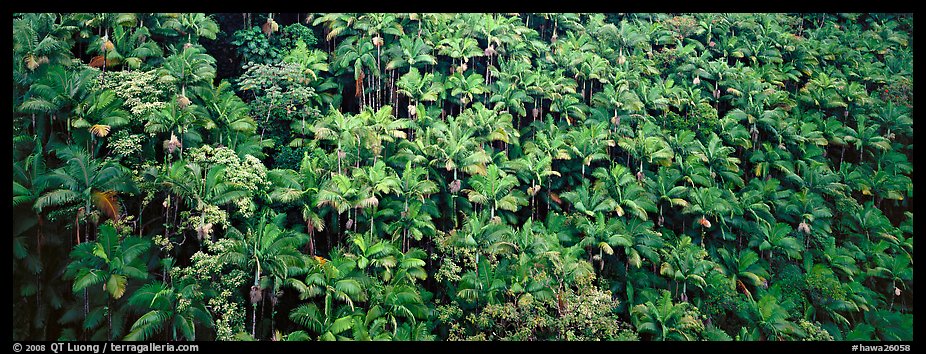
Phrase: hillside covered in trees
(419, 176)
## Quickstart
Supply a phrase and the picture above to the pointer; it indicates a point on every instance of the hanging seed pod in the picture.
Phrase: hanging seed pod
(704, 222)
(412, 110)
(535, 112)
(717, 94)
(639, 176)
(455, 186)
(349, 223)
(696, 81)
(183, 101)
(489, 51)
(269, 27)
(378, 41)
(621, 60)
(107, 46)
(462, 68)
(256, 294)
(342, 154)
(803, 227)
(203, 231)
(896, 291)
(172, 144)
(711, 44)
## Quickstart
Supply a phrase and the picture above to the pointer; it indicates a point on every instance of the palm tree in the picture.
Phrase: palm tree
(533, 169)
(666, 189)
(39, 39)
(88, 182)
(382, 126)
(484, 285)
(415, 220)
(396, 302)
(374, 181)
(303, 188)
(662, 320)
(716, 158)
(605, 235)
(590, 201)
(626, 190)
(772, 318)
(329, 324)
(685, 263)
(333, 280)
(202, 189)
(270, 251)
(229, 113)
(111, 262)
(712, 204)
(342, 128)
(58, 91)
(460, 48)
(410, 52)
(129, 48)
(775, 239)
(419, 88)
(339, 193)
(742, 268)
(188, 67)
(866, 136)
(456, 148)
(496, 190)
(647, 147)
(356, 54)
(589, 142)
(165, 312)
(465, 88)
(185, 121)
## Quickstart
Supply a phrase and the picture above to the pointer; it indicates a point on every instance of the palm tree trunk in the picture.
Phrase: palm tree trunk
(254, 320)
(311, 238)
(77, 228)
(372, 215)
(109, 316)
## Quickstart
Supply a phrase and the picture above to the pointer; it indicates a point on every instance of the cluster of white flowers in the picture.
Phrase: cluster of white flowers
(141, 91)
(122, 143)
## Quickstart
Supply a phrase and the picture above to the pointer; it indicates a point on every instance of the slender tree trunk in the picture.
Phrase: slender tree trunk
(254, 320)
(109, 317)
(311, 238)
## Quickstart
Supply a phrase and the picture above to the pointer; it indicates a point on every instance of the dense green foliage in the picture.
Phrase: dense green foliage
(462, 177)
